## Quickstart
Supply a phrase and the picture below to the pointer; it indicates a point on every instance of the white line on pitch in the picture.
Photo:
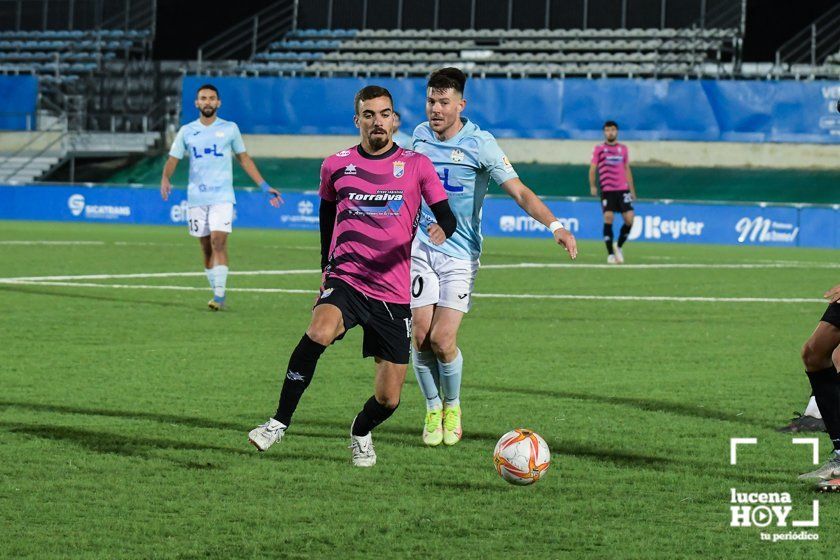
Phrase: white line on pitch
(662, 265)
(583, 297)
(154, 275)
(24, 242)
(151, 287)
(779, 265)
(652, 298)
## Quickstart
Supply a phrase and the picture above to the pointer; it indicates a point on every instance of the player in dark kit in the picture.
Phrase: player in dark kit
(370, 209)
(611, 160)
(821, 357)
(811, 419)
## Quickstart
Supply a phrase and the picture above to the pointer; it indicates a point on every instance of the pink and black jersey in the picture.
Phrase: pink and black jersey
(377, 211)
(612, 160)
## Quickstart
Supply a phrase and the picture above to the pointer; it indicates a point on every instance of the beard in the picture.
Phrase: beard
(377, 142)
(208, 111)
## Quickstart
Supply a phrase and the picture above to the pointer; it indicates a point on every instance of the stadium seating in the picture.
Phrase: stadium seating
(63, 56)
(496, 52)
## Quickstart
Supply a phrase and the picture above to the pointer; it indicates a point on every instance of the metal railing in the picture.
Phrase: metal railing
(23, 15)
(57, 127)
(813, 44)
(250, 36)
(139, 15)
(712, 13)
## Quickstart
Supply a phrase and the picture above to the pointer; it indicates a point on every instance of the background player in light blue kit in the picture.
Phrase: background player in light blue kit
(466, 159)
(210, 141)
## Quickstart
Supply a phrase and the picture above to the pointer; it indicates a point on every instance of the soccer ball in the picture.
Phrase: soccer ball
(521, 457)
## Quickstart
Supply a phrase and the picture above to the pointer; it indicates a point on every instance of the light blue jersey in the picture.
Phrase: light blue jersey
(465, 165)
(402, 140)
(211, 168)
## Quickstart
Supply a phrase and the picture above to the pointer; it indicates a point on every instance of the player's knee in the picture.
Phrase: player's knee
(390, 402)
(218, 244)
(442, 342)
(420, 337)
(812, 359)
(321, 334)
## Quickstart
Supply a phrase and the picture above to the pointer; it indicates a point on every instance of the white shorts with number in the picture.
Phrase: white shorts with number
(438, 279)
(215, 217)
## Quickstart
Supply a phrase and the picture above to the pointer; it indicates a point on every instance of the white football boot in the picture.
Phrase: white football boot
(264, 436)
(363, 453)
(611, 259)
(619, 256)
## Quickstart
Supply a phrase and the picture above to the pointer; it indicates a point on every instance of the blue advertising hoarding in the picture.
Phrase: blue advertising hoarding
(735, 224)
(19, 95)
(574, 108)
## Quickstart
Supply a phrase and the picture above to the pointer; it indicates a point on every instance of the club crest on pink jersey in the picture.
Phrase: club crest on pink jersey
(399, 169)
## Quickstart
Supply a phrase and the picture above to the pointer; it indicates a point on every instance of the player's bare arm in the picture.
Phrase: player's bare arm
(593, 186)
(165, 183)
(630, 182)
(536, 208)
(250, 168)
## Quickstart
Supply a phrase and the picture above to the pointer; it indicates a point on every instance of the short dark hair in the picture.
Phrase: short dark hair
(397, 114)
(370, 92)
(611, 123)
(211, 87)
(447, 78)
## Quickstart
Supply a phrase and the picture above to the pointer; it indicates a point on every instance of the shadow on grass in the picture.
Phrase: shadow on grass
(128, 414)
(130, 446)
(142, 447)
(63, 294)
(411, 437)
(647, 405)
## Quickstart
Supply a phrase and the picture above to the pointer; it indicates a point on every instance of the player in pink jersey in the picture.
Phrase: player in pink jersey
(370, 209)
(611, 160)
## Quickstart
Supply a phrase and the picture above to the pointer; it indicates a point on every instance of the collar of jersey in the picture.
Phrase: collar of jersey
(212, 124)
(387, 154)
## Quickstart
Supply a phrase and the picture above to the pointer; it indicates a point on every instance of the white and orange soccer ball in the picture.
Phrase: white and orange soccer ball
(521, 457)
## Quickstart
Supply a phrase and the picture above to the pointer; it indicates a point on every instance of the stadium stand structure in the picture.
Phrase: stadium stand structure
(274, 45)
(814, 52)
(498, 52)
(99, 95)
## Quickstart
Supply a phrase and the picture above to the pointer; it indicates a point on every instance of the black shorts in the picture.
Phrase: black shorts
(387, 326)
(832, 315)
(616, 201)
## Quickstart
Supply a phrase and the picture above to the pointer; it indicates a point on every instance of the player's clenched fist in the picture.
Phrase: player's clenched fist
(833, 295)
(436, 234)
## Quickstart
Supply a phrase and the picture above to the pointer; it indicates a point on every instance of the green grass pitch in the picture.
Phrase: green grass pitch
(124, 410)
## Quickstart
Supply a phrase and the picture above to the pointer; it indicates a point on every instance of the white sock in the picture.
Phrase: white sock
(450, 379)
(426, 370)
(220, 273)
(812, 409)
(209, 273)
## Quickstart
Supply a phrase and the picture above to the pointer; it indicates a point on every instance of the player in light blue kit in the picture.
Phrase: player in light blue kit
(210, 141)
(466, 159)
